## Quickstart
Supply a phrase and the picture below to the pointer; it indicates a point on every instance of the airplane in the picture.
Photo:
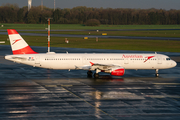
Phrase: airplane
(113, 63)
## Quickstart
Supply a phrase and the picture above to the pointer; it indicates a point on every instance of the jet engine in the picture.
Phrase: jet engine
(118, 72)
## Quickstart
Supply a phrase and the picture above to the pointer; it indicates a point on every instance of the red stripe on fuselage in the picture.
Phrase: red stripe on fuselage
(26, 50)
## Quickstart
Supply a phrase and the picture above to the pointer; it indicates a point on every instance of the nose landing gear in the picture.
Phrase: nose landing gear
(157, 75)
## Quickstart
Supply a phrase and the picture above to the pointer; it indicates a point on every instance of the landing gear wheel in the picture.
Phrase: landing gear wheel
(96, 75)
(157, 75)
(89, 73)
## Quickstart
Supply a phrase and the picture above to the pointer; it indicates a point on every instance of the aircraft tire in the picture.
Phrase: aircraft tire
(96, 75)
(89, 73)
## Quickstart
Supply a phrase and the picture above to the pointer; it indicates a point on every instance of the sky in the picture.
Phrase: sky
(142, 4)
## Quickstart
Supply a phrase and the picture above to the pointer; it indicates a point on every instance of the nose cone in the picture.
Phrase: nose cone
(173, 63)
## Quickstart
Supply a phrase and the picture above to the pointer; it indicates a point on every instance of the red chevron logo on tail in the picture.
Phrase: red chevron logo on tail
(16, 41)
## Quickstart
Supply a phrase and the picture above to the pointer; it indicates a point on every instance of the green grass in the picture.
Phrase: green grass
(160, 33)
(82, 27)
(115, 44)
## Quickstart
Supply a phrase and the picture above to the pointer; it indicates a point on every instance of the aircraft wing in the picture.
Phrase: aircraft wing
(98, 66)
(104, 67)
(107, 68)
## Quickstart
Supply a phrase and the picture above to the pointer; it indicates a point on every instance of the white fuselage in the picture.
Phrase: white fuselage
(82, 61)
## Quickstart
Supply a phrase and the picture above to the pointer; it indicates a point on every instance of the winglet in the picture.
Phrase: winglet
(18, 44)
(92, 63)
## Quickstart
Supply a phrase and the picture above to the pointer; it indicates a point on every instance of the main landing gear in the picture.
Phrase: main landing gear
(90, 74)
(157, 75)
(96, 75)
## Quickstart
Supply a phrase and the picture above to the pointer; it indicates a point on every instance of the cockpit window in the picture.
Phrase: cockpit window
(168, 58)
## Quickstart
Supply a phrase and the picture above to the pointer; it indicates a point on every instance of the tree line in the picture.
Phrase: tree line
(11, 13)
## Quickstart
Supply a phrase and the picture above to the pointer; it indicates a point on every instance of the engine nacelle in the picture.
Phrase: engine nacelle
(118, 72)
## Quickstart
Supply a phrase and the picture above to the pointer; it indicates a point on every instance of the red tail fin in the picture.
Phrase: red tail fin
(18, 44)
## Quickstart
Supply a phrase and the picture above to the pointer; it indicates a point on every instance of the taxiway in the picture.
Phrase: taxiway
(35, 93)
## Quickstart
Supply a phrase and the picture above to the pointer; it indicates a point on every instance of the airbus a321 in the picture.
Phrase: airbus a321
(112, 63)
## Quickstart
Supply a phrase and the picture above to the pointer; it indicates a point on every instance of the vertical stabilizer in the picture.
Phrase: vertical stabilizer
(18, 44)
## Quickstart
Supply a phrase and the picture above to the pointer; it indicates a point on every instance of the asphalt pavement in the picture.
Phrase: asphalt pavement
(35, 93)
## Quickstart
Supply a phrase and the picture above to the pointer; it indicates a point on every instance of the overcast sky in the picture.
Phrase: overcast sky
(143, 4)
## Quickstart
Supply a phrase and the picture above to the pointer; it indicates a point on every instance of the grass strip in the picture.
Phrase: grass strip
(115, 44)
(82, 27)
(166, 33)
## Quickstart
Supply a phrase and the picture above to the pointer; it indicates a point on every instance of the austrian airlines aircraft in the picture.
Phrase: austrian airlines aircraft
(112, 63)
